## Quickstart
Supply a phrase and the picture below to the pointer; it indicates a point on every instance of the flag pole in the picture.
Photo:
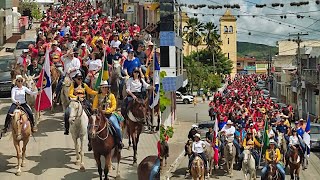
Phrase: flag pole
(102, 69)
(41, 86)
(266, 121)
(153, 80)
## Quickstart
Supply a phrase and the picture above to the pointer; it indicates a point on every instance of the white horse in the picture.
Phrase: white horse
(248, 165)
(78, 128)
(209, 152)
(230, 154)
(31, 99)
(65, 92)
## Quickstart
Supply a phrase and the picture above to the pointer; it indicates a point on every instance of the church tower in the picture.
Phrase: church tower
(228, 35)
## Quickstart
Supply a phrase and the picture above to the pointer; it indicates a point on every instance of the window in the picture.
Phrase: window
(228, 40)
(238, 64)
(225, 29)
(228, 56)
(230, 29)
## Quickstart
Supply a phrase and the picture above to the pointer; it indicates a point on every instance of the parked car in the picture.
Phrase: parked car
(261, 84)
(315, 136)
(203, 128)
(6, 63)
(266, 92)
(21, 45)
(274, 99)
(282, 105)
(186, 99)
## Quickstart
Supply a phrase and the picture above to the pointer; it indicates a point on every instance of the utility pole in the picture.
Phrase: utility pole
(299, 70)
(269, 70)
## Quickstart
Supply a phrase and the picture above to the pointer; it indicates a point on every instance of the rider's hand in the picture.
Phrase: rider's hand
(17, 103)
(134, 97)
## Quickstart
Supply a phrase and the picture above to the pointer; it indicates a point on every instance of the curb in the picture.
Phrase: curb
(5, 100)
(173, 167)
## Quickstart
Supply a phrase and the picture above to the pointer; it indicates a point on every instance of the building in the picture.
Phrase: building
(228, 35)
(6, 20)
(171, 57)
(246, 65)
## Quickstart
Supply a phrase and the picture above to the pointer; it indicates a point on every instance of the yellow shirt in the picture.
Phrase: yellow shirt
(287, 123)
(278, 155)
(250, 143)
(110, 103)
(95, 38)
(80, 91)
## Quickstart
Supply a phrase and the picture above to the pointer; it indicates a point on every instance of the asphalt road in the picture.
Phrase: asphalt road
(187, 115)
(51, 155)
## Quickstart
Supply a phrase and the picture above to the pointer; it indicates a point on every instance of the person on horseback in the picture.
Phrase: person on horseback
(78, 90)
(23, 61)
(136, 88)
(193, 131)
(34, 69)
(198, 150)
(108, 102)
(94, 66)
(295, 142)
(229, 131)
(272, 149)
(18, 97)
(250, 142)
(282, 128)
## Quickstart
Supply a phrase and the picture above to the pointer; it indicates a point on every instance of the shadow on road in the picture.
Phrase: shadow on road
(4, 163)
(51, 158)
(49, 125)
(88, 174)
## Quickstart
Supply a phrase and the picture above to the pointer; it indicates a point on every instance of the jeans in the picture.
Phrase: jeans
(12, 108)
(236, 144)
(66, 118)
(203, 157)
(154, 169)
(59, 85)
(113, 119)
(279, 167)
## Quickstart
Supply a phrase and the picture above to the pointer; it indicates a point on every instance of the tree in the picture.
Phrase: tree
(30, 8)
(193, 35)
(164, 101)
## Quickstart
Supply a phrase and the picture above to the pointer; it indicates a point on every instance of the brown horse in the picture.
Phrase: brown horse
(188, 148)
(273, 173)
(21, 131)
(211, 114)
(146, 166)
(197, 169)
(135, 118)
(294, 162)
(15, 70)
(164, 153)
(103, 143)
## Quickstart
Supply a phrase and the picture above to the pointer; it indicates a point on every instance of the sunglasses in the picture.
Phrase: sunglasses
(79, 78)
(19, 81)
(104, 87)
(136, 72)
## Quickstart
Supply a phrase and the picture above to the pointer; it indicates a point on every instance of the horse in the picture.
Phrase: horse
(135, 118)
(146, 166)
(55, 75)
(115, 76)
(64, 95)
(21, 131)
(15, 70)
(153, 111)
(230, 154)
(283, 146)
(294, 162)
(248, 165)
(31, 99)
(78, 128)
(273, 173)
(103, 143)
(209, 152)
(211, 114)
(164, 153)
(197, 168)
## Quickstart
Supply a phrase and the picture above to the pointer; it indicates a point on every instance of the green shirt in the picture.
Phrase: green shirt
(34, 71)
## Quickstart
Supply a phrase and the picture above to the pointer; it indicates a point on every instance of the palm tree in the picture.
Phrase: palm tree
(193, 35)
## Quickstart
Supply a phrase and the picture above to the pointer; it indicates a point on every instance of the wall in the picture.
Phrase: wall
(290, 47)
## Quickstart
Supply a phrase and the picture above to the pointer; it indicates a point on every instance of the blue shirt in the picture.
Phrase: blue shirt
(300, 132)
(130, 65)
(237, 133)
(282, 129)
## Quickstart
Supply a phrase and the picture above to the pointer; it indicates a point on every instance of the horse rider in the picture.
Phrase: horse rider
(107, 101)
(300, 130)
(34, 69)
(250, 142)
(296, 142)
(229, 131)
(71, 66)
(198, 150)
(193, 131)
(94, 66)
(78, 90)
(277, 157)
(282, 128)
(136, 88)
(209, 135)
(23, 61)
(18, 97)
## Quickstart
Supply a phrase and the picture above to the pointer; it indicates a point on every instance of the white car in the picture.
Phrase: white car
(186, 99)
(21, 45)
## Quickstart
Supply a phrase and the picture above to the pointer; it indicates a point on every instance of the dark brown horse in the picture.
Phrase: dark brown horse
(164, 153)
(294, 162)
(273, 173)
(188, 148)
(103, 143)
(145, 167)
(135, 118)
(211, 114)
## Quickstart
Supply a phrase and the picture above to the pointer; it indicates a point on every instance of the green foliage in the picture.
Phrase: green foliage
(193, 35)
(165, 131)
(32, 6)
(164, 101)
(259, 51)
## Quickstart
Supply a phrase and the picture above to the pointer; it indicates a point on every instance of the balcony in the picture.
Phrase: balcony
(310, 76)
(250, 68)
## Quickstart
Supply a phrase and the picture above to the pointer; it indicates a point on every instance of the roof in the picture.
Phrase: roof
(246, 59)
(228, 16)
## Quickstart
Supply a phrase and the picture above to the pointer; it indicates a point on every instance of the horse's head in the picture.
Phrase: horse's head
(272, 171)
(188, 147)
(140, 109)
(30, 83)
(229, 147)
(246, 156)
(198, 166)
(76, 110)
(294, 155)
(17, 122)
(97, 124)
(67, 82)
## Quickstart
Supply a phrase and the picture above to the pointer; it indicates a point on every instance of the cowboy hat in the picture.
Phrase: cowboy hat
(150, 43)
(25, 50)
(19, 77)
(197, 135)
(104, 84)
(194, 126)
(229, 122)
(263, 110)
(272, 141)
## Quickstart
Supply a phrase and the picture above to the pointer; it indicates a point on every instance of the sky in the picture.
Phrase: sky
(264, 28)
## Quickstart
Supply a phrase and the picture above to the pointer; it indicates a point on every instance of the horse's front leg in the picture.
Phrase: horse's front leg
(98, 161)
(16, 145)
(82, 168)
(24, 151)
(76, 147)
(107, 165)
(134, 143)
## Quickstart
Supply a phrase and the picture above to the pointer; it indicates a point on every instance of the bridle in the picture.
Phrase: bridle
(106, 125)
(19, 119)
(77, 113)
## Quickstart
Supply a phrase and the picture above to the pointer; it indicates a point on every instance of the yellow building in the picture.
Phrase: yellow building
(228, 35)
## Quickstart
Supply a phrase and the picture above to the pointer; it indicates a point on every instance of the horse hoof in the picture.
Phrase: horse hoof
(18, 173)
(77, 163)
(23, 164)
(82, 169)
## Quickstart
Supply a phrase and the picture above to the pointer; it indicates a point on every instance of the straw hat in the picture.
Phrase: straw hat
(229, 122)
(104, 84)
(197, 135)
(18, 77)
(194, 126)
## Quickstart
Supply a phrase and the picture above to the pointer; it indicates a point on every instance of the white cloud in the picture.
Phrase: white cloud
(261, 23)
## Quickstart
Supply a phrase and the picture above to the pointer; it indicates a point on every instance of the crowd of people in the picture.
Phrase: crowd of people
(241, 111)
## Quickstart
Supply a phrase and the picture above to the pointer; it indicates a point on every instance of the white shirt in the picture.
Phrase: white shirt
(229, 131)
(70, 65)
(66, 29)
(271, 133)
(293, 140)
(94, 65)
(20, 60)
(198, 146)
(19, 94)
(115, 43)
(135, 85)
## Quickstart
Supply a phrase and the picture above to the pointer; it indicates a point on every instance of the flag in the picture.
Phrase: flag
(308, 126)
(306, 139)
(265, 137)
(104, 72)
(44, 99)
(156, 80)
(216, 142)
